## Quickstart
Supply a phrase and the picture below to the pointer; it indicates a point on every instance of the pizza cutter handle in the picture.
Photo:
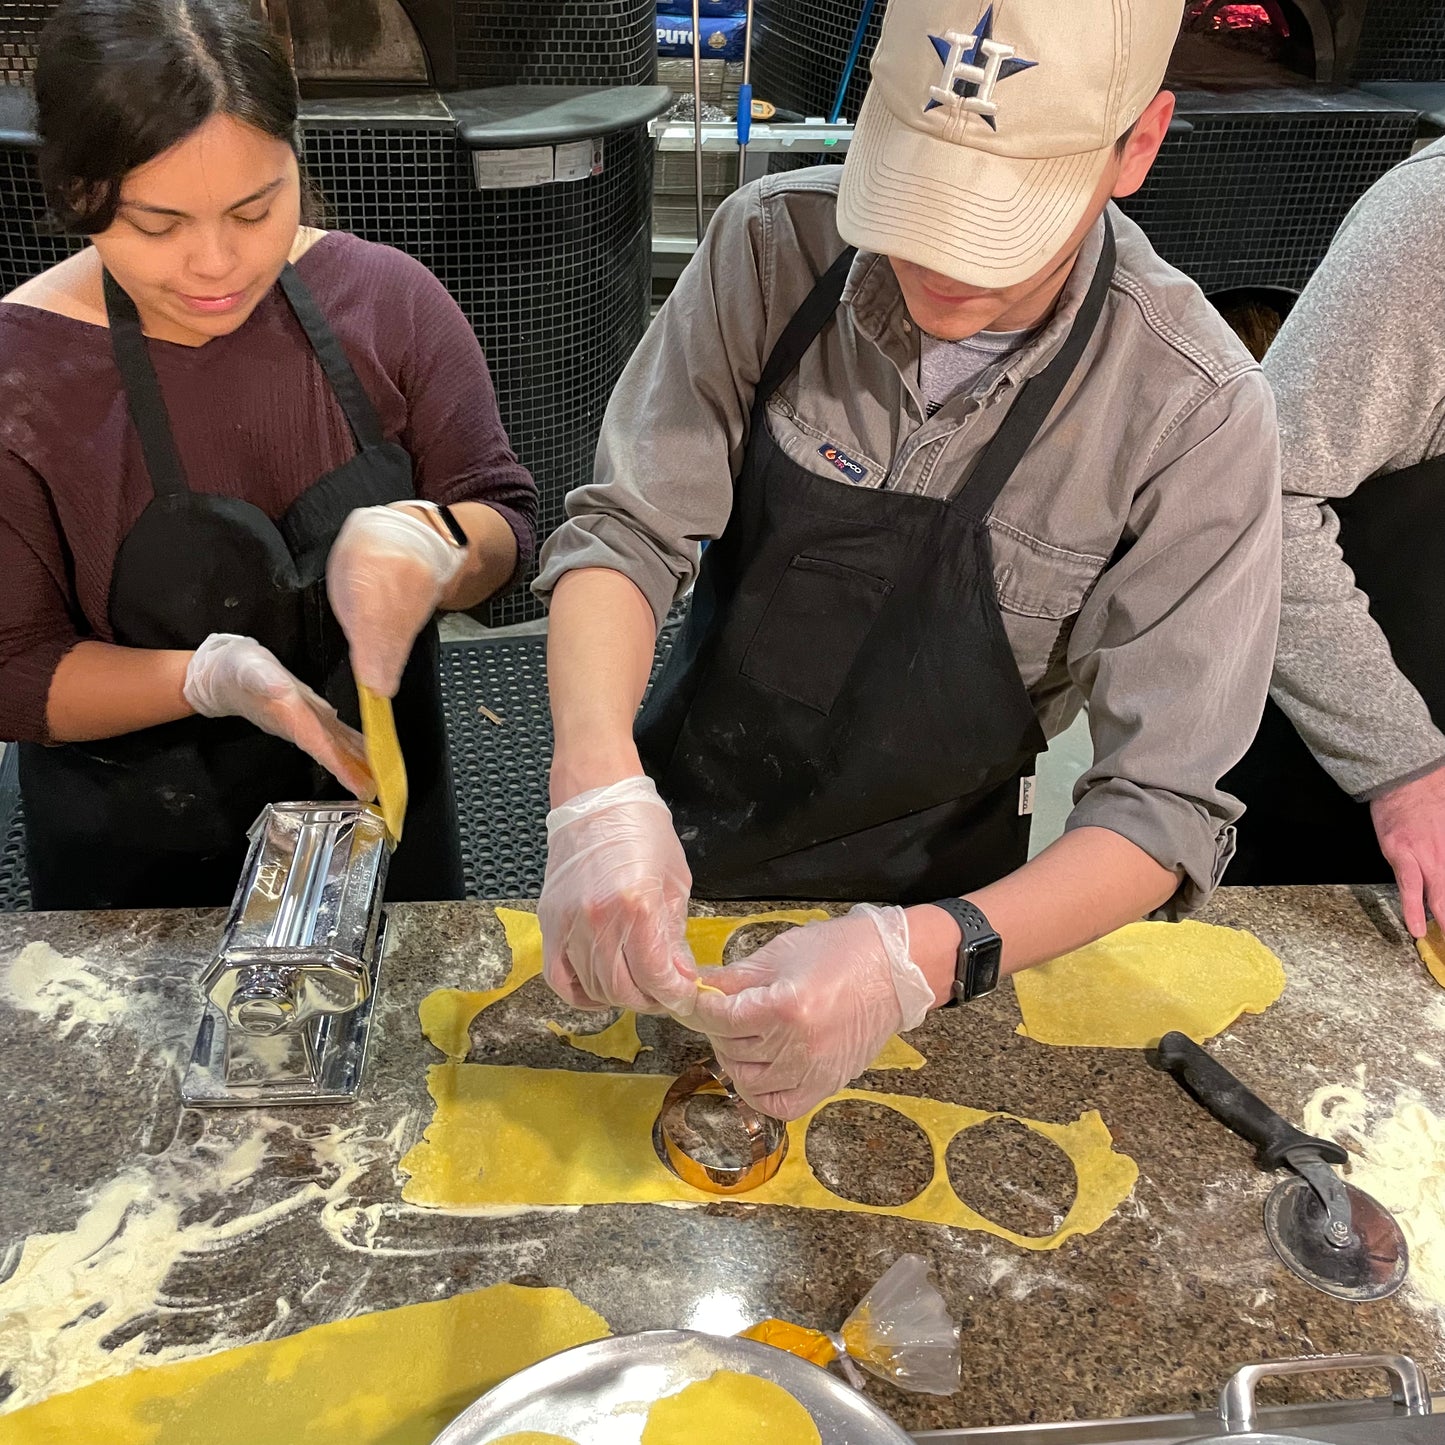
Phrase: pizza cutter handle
(1232, 1104)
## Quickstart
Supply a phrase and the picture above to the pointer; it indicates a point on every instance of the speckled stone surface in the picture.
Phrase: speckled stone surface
(1148, 1315)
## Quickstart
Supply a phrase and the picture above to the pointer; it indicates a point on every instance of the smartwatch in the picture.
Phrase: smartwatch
(450, 526)
(980, 951)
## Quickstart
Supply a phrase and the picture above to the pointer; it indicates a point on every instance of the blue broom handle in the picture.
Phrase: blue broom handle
(854, 51)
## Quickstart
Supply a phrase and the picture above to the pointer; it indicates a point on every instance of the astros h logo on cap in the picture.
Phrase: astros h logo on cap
(973, 65)
(988, 127)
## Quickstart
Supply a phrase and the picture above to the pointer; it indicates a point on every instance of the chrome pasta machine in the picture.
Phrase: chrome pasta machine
(290, 990)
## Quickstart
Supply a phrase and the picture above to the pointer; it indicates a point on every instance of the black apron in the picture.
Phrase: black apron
(842, 716)
(1300, 825)
(159, 818)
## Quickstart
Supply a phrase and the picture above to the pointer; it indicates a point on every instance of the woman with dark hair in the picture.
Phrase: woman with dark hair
(243, 463)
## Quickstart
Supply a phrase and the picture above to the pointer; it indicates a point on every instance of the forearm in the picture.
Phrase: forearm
(600, 642)
(1334, 674)
(1087, 884)
(491, 557)
(103, 691)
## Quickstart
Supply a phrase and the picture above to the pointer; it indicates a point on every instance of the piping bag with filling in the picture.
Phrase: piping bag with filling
(901, 1332)
(383, 753)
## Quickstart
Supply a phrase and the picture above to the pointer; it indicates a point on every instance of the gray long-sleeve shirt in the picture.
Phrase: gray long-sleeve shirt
(1359, 374)
(1135, 549)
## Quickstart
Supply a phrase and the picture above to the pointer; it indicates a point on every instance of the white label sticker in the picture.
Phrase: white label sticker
(579, 159)
(1026, 796)
(511, 169)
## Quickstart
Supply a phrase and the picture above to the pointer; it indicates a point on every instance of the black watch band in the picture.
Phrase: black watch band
(980, 951)
(453, 526)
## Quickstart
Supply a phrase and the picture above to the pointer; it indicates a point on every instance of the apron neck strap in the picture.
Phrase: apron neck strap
(360, 413)
(800, 333)
(1030, 411)
(143, 392)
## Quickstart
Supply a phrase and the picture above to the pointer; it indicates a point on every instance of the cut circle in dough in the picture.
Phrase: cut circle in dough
(729, 1408)
(534, 1437)
(1128, 990)
(504, 1136)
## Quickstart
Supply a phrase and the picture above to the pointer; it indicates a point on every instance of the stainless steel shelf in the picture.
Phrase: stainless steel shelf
(766, 136)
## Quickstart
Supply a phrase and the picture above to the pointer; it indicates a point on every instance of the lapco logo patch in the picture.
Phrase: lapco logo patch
(854, 471)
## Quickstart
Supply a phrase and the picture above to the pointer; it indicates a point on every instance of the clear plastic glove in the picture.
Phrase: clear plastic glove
(614, 903)
(232, 676)
(808, 1012)
(1410, 824)
(388, 571)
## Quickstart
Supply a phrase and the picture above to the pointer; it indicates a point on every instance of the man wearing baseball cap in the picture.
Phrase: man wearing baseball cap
(963, 454)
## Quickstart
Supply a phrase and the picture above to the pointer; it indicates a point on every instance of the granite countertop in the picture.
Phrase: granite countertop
(1148, 1315)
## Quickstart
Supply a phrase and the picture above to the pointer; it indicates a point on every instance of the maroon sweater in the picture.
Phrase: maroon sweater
(253, 417)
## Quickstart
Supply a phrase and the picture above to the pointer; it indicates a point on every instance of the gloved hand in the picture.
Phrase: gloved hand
(807, 1013)
(232, 676)
(386, 576)
(613, 909)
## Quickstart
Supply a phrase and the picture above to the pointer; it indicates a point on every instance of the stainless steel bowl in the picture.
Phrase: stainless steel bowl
(599, 1394)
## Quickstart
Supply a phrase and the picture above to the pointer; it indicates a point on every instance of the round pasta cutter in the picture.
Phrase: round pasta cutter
(1327, 1232)
(1335, 1237)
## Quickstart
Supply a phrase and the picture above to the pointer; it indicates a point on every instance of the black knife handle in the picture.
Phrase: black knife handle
(1232, 1104)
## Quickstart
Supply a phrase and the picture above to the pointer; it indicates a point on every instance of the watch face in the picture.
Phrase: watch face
(986, 956)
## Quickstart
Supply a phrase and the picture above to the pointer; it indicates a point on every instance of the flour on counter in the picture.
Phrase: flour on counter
(80, 1305)
(1398, 1159)
(64, 991)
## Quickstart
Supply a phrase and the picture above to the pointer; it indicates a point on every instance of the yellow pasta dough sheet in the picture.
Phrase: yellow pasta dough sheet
(1130, 989)
(729, 1408)
(506, 1137)
(395, 1377)
(1431, 949)
(447, 1013)
(618, 1041)
(383, 755)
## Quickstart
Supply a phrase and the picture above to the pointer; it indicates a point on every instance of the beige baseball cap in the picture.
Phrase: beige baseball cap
(988, 127)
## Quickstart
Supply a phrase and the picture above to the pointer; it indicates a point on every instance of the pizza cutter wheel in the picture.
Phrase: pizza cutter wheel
(1327, 1232)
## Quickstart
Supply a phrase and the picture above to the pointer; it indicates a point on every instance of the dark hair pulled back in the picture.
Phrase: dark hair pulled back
(117, 82)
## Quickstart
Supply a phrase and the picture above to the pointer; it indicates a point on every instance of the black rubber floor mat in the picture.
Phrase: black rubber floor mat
(14, 883)
(499, 769)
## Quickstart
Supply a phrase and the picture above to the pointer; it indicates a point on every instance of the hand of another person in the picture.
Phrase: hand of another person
(807, 1013)
(386, 576)
(230, 676)
(1410, 824)
(613, 909)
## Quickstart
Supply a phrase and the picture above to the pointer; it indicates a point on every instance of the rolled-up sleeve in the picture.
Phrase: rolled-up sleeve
(1174, 646)
(677, 424)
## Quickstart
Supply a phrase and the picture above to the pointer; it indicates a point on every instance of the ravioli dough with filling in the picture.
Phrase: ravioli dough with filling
(395, 1377)
(729, 1408)
(1431, 949)
(506, 1137)
(1130, 989)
